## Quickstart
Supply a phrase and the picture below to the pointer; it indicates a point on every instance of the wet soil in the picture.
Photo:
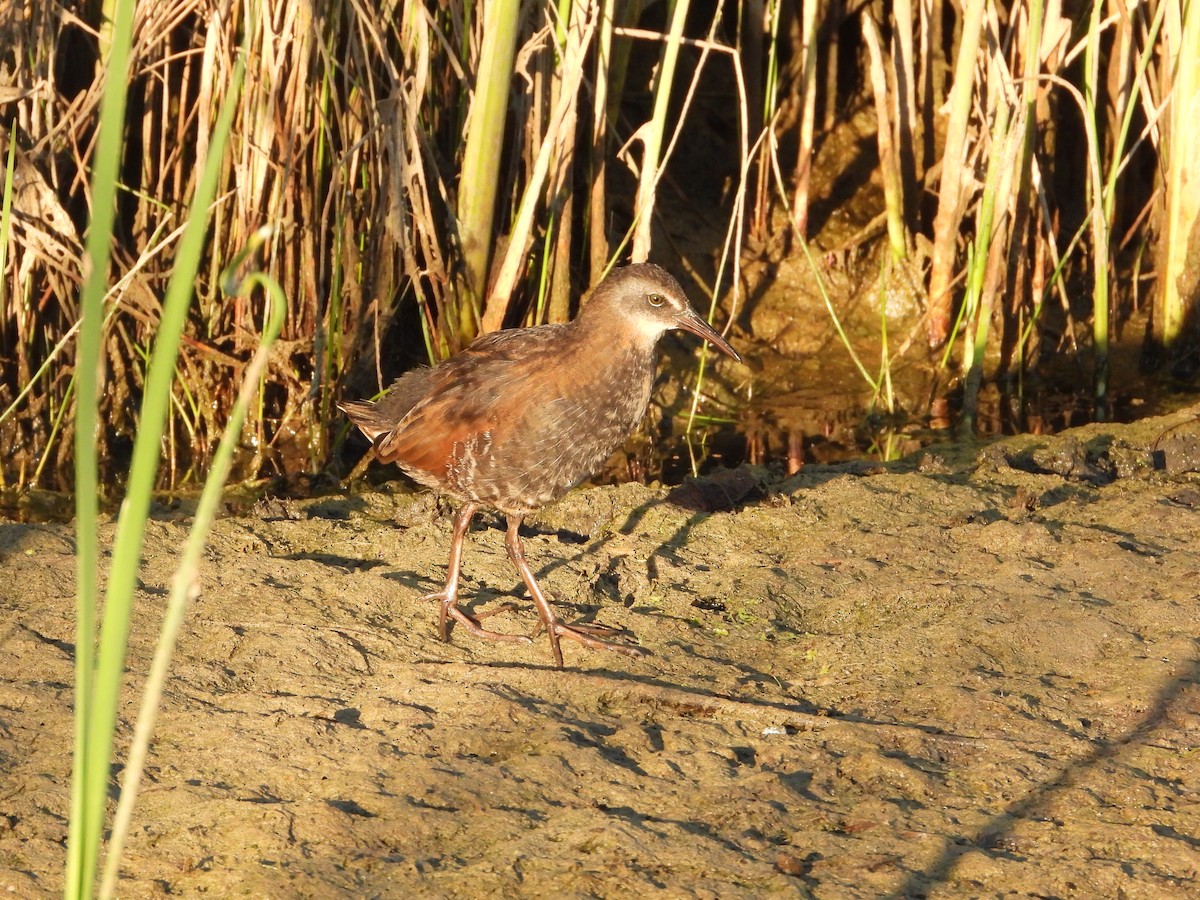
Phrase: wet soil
(970, 673)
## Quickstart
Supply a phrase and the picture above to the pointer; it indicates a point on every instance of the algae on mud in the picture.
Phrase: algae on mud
(961, 674)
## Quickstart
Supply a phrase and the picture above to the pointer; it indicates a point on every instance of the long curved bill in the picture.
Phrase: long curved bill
(691, 321)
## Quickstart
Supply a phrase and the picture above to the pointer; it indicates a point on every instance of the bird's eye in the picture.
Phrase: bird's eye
(656, 299)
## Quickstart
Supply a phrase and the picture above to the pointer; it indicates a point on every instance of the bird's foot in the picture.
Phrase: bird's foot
(591, 628)
(451, 610)
(585, 634)
(471, 623)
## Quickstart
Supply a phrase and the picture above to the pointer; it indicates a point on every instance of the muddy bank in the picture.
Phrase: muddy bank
(970, 673)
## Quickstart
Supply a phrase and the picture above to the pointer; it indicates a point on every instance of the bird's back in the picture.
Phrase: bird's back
(515, 420)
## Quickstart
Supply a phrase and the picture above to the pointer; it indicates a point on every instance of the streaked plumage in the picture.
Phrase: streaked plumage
(521, 416)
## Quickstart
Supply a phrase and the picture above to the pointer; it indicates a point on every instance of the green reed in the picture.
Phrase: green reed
(99, 672)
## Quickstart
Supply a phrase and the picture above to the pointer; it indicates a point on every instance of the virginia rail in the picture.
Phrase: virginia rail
(521, 416)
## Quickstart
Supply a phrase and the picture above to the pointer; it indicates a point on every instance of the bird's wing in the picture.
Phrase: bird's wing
(471, 401)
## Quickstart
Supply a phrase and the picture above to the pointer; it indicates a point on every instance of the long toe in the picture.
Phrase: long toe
(601, 631)
(472, 625)
(451, 609)
(583, 635)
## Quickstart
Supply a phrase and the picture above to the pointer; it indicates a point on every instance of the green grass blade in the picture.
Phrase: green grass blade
(110, 662)
(185, 585)
(87, 800)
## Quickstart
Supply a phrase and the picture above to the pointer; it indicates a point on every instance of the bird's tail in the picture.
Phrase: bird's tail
(365, 414)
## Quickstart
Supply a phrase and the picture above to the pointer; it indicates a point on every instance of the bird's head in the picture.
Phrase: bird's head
(646, 300)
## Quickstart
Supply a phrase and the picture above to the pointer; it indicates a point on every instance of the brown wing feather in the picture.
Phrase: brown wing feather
(432, 435)
(437, 424)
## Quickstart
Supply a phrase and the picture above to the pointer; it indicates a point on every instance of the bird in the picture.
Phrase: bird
(522, 415)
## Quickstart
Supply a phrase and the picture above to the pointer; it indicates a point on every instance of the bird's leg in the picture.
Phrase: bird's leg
(448, 595)
(549, 620)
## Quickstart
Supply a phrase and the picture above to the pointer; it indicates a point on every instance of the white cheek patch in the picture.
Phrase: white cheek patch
(650, 330)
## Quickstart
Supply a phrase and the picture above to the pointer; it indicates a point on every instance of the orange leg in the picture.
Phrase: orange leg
(448, 595)
(550, 621)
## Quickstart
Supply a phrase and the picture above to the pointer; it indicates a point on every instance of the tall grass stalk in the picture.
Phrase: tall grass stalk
(1129, 105)
(752, 28)
(983, 276)
(1023, 235)
(884, 387)
(88, 792)
(514, 261)
(767, 149)
(926, 85)
(653, 131)
(707, 46)
(598, 160)
(481, 163)
(1104, 196)
(905, 103)
(98, 692)
(626, 14)
(185, 586)
(560, 188)
(5, 237)
(993, 230)
(961, 315)
(1057, 277)
(1099, 219)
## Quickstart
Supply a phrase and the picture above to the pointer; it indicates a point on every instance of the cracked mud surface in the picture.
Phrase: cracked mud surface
(967, 674)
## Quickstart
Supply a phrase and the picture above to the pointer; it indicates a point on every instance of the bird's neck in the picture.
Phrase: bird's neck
(606, 334)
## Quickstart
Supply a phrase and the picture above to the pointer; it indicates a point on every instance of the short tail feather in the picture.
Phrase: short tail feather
(365, 414)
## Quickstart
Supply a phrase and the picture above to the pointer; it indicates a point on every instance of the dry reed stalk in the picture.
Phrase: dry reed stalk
(939, 64)
(651, 133)
(1023, 235)
(707, 46)
(625, 15)
(992, 248)
(1103, 223)
(925, 86)
(560, 193)
(831, 26)
(753, 28)
(808, 94)
(889, 164)
(767, 149)
(520, 235)
(954, 177)
(597, 199)
(904, 100)
(1178, 297)
(413, 196)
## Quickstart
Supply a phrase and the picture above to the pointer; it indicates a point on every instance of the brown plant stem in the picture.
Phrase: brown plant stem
(950, 195)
